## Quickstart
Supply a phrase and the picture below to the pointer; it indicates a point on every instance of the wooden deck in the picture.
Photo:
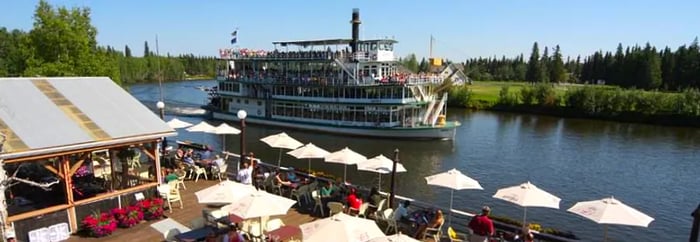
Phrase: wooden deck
(192, 210)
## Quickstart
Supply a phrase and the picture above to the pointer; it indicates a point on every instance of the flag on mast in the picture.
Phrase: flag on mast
(234, 37)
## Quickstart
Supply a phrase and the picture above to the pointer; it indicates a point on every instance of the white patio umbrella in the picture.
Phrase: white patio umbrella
(224, 193)
(454, 180)
(309, 151)
(346, 157)
(340, 228)
(281, 141)
(381, 165)
(611, 211)
(201, 127)
(223, 129)
(178, 124)
(259, 204)
(528, 195)
(394, 238)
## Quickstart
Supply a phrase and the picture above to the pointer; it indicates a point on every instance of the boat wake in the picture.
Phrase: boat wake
(178, 109)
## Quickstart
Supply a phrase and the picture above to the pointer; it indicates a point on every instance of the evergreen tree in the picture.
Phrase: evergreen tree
(544, 66)
(534, 72)
(127, 51)
(557, 71)
(146, 51)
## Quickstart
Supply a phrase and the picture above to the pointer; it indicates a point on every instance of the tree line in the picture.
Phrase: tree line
(642, 67)
(62, 42)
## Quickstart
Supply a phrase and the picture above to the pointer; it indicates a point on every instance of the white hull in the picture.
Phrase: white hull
(447, 133)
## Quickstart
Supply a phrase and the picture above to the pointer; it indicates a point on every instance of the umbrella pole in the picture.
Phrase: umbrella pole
(223, 143)
(605, 233)
(279, 160)
(345, 174)
(379, 187)
(309, 166)
(525, 216)
(449, 220)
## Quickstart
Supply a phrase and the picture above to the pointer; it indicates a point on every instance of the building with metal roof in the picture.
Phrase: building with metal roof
(49, 115)
(84, 138)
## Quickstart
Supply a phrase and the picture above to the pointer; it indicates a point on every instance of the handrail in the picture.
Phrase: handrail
(456, 220)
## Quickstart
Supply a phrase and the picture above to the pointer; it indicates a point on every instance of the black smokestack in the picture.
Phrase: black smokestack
(355, 29)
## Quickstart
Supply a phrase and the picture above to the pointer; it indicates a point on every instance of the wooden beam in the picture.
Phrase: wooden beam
(149, 154)
(65, 168)
(159, 175)
(75, 167)
(38, 212)
(51, 155)
(116, 193)
(53, 170)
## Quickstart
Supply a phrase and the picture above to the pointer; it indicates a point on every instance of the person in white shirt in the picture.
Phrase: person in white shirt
(245, 175)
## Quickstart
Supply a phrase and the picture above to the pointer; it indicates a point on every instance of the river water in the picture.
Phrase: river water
(652, 168)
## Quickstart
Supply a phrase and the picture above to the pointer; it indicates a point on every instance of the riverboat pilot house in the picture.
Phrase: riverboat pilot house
(88, 137)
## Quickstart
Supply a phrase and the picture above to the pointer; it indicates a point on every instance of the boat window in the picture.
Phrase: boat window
(238, 100)
(374, 46)
(259, 103)
(245, 101)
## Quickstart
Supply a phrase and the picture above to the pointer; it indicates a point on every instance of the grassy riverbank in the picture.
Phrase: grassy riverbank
(583, 101)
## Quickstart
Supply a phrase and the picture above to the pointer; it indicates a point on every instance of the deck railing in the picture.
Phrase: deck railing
(460, 218)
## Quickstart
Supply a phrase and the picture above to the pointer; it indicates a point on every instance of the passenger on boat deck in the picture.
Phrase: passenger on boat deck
(352, 199)
(401, 213)
(245, 175)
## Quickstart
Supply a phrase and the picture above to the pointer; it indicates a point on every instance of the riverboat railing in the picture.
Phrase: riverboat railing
(460, 218)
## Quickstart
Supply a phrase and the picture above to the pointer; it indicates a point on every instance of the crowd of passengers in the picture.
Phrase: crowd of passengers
(276, 54)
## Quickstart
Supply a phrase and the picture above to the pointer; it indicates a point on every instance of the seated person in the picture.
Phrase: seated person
(170, 176)
(206, 155)
(218, 161)
(279, 180)
(327, 190)
(435, 223)
(353, 200)
(292, 176)
(188, 159)
(374, 197)
(526, 235)
(179, 154)
(401, 213)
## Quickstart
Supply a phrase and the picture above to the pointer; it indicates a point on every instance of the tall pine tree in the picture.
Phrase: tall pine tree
(557, 71)
(534, 72)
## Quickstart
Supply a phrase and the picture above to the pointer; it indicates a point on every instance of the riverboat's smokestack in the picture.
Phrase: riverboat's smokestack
(355, 29)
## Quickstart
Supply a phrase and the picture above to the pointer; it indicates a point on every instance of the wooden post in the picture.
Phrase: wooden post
(159, 176)
(696, 225)
(393, 179)
(68, 186)
(112, 158)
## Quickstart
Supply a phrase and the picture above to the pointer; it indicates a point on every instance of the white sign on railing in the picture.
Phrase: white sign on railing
(55, 233)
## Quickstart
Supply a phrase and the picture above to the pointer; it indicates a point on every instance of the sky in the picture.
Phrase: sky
(462, 29)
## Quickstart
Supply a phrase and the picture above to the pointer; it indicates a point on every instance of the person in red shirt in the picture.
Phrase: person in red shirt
(482, 226)
(353, 201)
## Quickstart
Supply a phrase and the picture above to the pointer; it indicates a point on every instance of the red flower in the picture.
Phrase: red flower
(99, 225)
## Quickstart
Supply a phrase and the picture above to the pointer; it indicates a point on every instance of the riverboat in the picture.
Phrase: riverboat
(342, 86)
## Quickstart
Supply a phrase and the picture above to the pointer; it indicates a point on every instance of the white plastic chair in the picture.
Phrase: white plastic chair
(222, 172)
(388, 215)
(335, 208)
(198, 171)
(318, 203)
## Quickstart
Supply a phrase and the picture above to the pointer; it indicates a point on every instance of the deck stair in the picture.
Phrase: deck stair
(344, 66)
(438, 110)
(428, 112)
